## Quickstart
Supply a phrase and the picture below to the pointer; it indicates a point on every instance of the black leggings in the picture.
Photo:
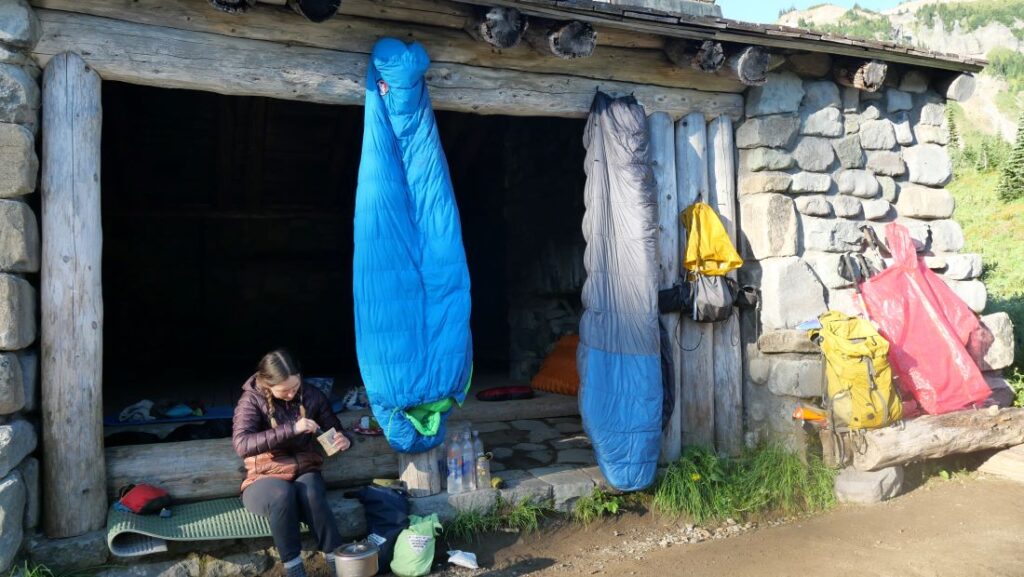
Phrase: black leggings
(286, 503)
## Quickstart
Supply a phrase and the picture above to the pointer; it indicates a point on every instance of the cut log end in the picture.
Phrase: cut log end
(708, 56)
(565, 39)
(315, 10)
(500, 27)
(232, 6)
(866, 76)
(959, 87)
(751, 65)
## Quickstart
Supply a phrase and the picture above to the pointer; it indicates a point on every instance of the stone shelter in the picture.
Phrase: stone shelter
(174, 177)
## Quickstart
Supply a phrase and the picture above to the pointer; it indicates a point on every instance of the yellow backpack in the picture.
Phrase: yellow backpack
(859, 392)
(708, 249)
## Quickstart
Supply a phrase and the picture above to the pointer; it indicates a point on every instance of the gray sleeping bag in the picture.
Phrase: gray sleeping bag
(619, 358)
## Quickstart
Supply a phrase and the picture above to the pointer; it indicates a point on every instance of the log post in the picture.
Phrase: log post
(663, 159)
(567, 40)
(708, 56)
(697, 338)
(934, 436)
(500, 27)
(727, 342)
(71, 299)
(750, 65)
(421, 472)
(867, 76)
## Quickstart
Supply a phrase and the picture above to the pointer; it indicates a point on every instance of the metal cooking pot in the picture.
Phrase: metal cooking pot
(356, 560)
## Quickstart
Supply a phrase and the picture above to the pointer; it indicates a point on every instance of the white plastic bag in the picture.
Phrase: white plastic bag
(463, 559)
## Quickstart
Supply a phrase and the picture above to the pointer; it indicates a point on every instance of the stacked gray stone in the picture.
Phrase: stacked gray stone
(817, 162)
(19, 256)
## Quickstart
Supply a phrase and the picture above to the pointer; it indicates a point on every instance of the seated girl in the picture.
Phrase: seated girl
(274, 431)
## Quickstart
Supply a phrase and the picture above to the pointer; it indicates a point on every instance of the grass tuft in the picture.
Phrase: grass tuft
(521, 516)
(704, 486)
(695, 485)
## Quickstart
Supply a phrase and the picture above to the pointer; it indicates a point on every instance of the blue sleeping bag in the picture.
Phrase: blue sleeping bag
(410, 280)
(619, 355)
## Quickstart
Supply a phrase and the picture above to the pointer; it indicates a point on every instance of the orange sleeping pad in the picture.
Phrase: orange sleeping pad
(558, 374)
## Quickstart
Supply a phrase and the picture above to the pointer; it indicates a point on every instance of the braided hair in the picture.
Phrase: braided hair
(275, 367)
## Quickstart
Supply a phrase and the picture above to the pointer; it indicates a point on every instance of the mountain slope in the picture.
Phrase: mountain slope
(992, 29)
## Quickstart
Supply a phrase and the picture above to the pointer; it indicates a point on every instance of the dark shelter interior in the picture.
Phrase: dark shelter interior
(227, 227)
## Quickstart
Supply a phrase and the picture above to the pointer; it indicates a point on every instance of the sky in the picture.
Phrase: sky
(767, 11)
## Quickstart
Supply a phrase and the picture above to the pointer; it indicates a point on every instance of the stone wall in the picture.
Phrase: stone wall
(817, 162)
(19, 268)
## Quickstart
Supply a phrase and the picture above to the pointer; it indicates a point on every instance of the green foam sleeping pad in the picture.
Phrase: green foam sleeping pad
(131, 535)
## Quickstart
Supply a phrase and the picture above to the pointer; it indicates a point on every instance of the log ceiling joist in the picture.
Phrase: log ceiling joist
(705, 30)
(358, 34)
(172, 58)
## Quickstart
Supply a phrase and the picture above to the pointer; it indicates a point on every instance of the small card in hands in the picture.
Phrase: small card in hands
(327, 442)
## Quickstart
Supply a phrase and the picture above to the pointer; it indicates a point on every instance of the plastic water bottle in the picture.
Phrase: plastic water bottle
(455, 477)
(483, 472)
(483, 464)
(468, 464)
(478, 446)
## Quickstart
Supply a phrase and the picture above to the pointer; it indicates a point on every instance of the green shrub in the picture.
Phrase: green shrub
(598, 504)
(1011, 181)
(974, 15)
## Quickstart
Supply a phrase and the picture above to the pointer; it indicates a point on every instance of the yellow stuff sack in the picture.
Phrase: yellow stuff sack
(859, 389)
(708, 248)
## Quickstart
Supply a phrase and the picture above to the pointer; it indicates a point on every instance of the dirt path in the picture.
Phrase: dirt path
(947, 528)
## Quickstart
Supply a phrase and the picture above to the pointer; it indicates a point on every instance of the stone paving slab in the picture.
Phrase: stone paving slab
(567, 484)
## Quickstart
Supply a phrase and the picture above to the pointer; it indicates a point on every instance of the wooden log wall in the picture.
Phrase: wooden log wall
(697, 339)
(71, 300)
(174, 58)
(727, 342)
(210, 469)
(663, 159)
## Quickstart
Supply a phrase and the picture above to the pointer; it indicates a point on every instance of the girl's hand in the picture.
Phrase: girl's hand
(341, 442)
(306, 426)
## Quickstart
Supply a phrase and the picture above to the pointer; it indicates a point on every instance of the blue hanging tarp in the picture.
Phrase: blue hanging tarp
(410, 280)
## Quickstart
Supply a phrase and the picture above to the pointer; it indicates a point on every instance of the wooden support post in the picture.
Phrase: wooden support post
(727, 342)
(697, 338)
(566, 40)
(500, 27)
(663, 159)
(867, 76)
(71, 300)
(421, 472)
(934, 436)
(706, 56)
(751, 65)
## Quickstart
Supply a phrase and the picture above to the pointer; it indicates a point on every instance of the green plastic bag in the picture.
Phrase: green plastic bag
(414, 548)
